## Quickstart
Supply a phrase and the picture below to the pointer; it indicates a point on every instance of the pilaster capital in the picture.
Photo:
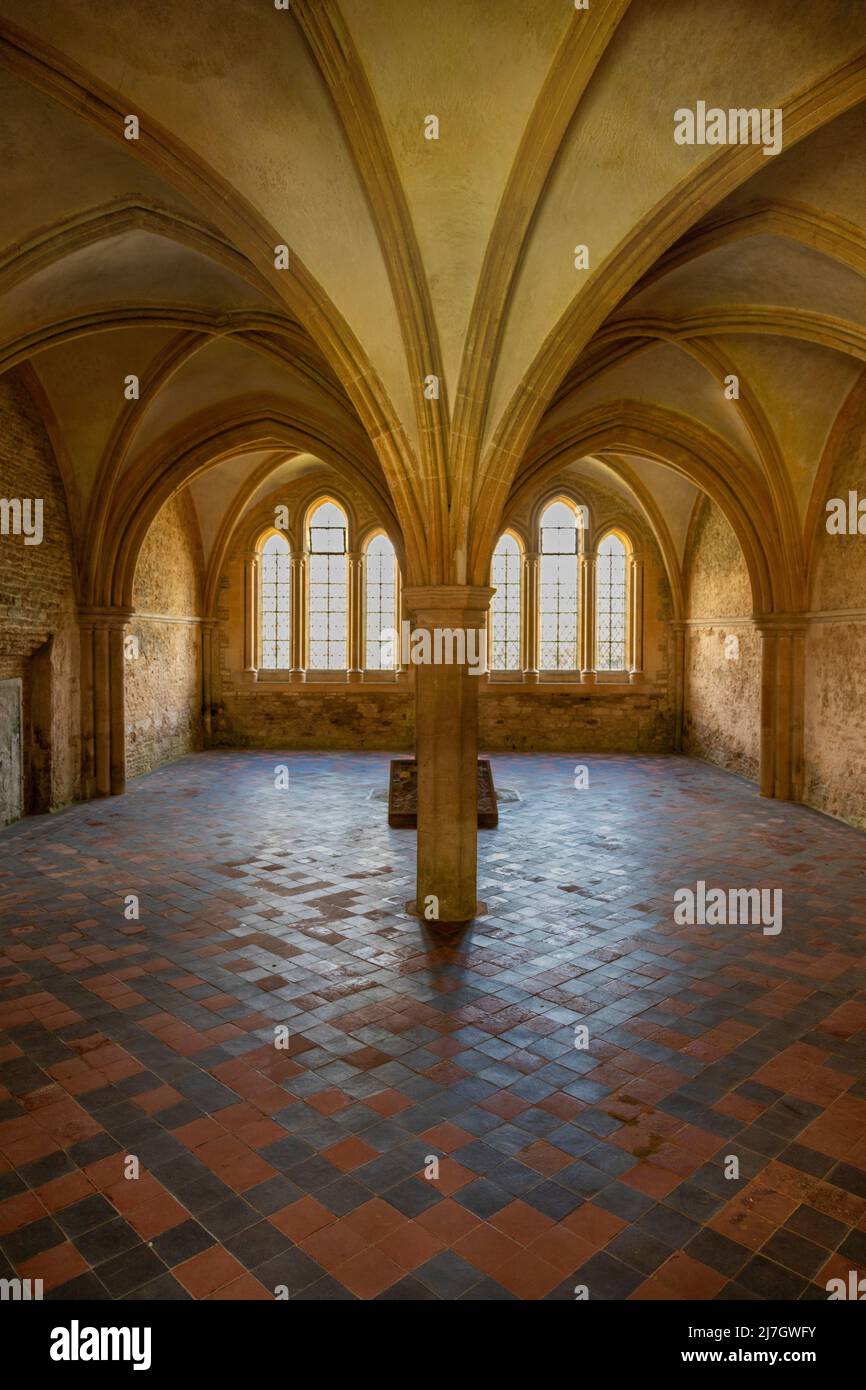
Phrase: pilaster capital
(105, 618)
(781, 624)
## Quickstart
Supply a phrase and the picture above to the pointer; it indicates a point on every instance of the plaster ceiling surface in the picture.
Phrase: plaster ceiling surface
(212, 493)
(453, 256)
(288, 471)
(235, 84)
(221, 371)
(84, 381)
(54, 166)
(478, 68)
(801, 388)
(632, 478)
(135, 270)
(621, 161)
(674, 495)
(598, 470)
(823, 172)
(761, 271)
(666, 376)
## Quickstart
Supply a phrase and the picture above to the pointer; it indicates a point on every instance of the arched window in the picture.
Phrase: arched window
(611, 612)
(505, 605)
(558, 601)
(275, 604)
(380, 603)
(328, 591)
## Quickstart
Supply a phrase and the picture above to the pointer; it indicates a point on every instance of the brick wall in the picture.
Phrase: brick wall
(38, 625)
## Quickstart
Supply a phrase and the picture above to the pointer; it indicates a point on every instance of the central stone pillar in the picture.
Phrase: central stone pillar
(446, 745)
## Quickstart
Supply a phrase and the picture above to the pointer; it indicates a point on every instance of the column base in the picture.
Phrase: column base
(432, 922)
(589, 677)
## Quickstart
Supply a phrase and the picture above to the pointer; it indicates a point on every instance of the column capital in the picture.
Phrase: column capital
(459, 605)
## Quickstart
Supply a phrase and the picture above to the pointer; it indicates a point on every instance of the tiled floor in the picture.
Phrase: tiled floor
(303, 1169)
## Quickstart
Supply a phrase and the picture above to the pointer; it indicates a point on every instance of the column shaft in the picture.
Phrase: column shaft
(446, 746)
(88, 751)
(767, 780)
(299, 617)
(635, 613)
(679, 682)
(356, 617)
(101, 711)
(208, 632)
(587, 617)
(117, 754)
(530, 618)
(251, 610)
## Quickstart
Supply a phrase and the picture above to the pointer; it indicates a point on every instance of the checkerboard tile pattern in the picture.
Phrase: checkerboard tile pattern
(430, 1131)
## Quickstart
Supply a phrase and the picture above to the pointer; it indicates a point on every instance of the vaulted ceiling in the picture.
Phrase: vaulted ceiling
(453, 257)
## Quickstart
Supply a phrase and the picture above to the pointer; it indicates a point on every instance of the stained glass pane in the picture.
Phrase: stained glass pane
(505, 606)
(558, 589)
(275, 605)
(611, 605)
(380, 604)
(328, 593)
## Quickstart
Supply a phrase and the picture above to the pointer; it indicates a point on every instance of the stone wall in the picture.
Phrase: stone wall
(346, 716)
(835, 714)
(543, 719)
(38, 624)
(722, 694)
(522, 718)
(163, 683)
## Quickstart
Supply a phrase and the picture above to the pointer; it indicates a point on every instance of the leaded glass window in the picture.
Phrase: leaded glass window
(328, 589)
(275, 604)
(380, 604)
(611, 605)
(558, 599)
(505, 605)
